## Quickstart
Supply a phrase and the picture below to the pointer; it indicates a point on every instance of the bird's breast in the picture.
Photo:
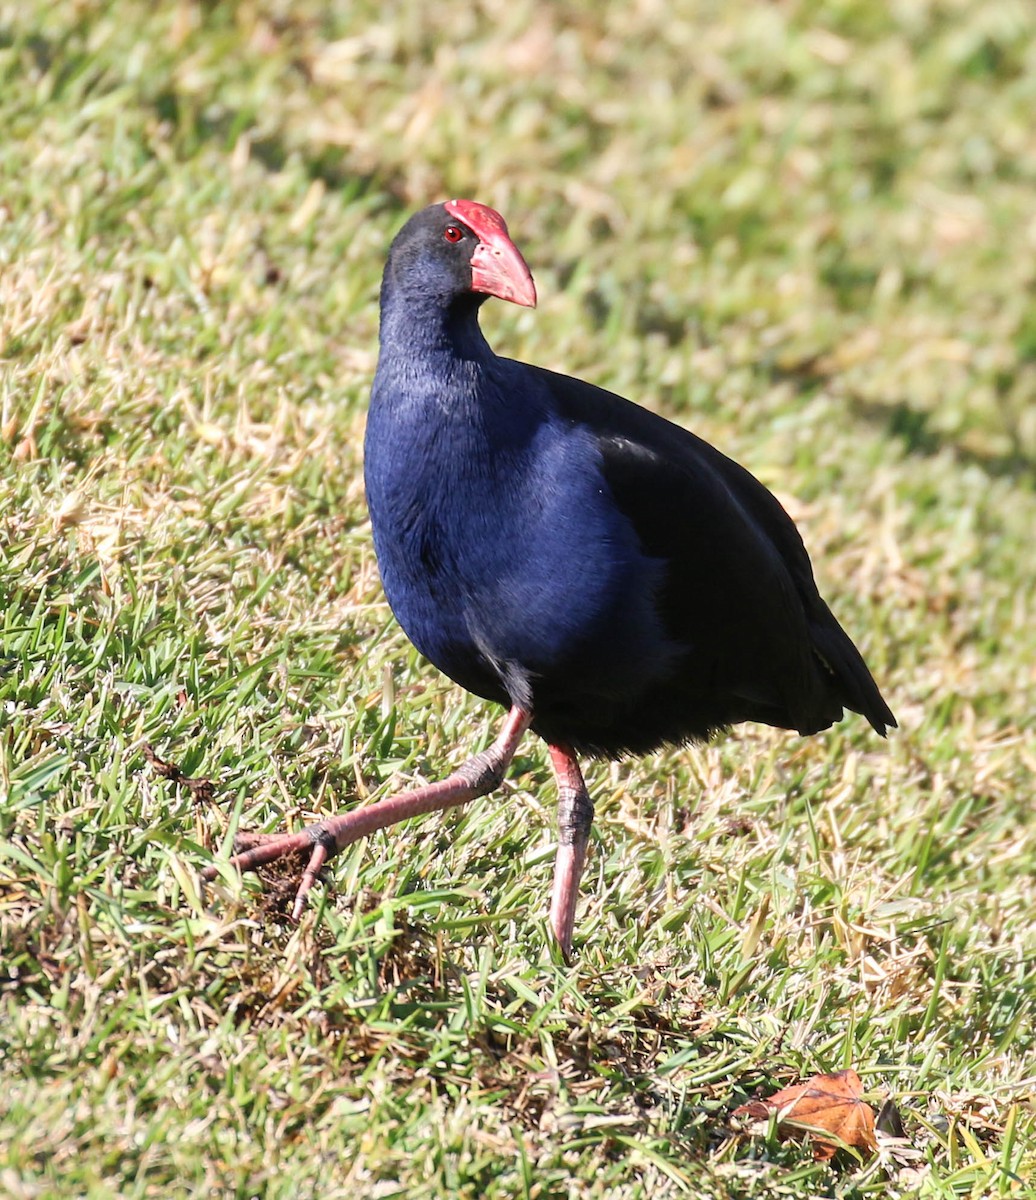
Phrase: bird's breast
(505, 560)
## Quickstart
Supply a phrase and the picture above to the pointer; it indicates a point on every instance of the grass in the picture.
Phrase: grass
(805, 229)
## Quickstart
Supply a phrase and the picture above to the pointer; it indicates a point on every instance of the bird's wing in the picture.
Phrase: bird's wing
(738, 569)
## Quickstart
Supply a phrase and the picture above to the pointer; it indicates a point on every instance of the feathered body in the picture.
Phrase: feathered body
(550, 545)
(610, 578)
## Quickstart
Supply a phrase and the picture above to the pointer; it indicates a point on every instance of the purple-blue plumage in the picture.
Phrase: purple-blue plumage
(552, 546)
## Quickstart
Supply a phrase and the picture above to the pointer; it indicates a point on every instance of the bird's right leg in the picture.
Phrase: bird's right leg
(575, 814)
(481, 773)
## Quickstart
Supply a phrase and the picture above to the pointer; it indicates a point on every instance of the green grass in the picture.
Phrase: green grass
(805, 229)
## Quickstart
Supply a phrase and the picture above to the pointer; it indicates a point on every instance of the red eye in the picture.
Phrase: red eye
(453, 233)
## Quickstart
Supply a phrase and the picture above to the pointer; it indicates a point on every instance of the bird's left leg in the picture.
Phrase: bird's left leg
(575, 813)
(482, 773)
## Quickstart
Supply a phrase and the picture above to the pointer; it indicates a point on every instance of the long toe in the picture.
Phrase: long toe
(258, 849)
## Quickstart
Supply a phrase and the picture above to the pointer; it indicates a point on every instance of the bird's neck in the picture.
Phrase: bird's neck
(434, 369)
(431, 333)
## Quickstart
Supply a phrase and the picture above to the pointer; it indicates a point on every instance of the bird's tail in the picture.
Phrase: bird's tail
(856, 684)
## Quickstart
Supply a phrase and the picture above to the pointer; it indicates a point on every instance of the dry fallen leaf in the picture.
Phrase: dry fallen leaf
(826, 1107)
(200, 789)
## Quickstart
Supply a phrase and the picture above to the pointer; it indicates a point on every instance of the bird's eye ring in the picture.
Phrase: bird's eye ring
(453, 233)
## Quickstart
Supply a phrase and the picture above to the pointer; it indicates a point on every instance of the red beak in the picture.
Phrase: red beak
(497, 267)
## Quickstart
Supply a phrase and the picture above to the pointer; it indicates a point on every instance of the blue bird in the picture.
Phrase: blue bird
(615, 582)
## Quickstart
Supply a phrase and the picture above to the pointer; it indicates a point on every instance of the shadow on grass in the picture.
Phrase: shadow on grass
(900, 421)
(327, 163)
(69, 58)
(913, 427)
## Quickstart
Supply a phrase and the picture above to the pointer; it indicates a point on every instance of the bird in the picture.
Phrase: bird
(613, 581)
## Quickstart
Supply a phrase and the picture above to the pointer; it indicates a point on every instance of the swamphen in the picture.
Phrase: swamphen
(611, 579)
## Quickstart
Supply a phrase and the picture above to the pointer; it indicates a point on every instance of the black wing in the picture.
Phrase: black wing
(740, 592)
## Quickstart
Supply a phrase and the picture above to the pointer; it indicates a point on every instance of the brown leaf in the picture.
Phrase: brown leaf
(201, 789)
(824, 1104)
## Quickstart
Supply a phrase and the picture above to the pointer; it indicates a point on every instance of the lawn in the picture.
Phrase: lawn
(804, 229)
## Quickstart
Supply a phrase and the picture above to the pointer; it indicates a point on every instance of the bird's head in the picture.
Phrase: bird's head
(460, 248)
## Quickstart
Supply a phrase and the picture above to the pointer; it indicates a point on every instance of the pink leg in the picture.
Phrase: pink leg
(575, 812)
(479, 775)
